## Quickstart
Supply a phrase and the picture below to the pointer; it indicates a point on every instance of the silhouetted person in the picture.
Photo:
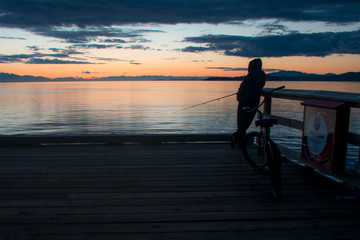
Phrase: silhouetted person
(249, 96)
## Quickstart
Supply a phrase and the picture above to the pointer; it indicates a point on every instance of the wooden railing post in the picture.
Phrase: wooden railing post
(267, 111)
(267, 106)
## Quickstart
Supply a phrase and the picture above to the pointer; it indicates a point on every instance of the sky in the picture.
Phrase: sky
(93, 39)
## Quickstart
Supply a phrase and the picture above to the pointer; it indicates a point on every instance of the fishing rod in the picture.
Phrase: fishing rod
(213, 100)
(217, 99)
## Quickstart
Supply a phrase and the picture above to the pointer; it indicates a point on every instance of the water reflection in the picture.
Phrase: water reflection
(134, 107)
(88, 108)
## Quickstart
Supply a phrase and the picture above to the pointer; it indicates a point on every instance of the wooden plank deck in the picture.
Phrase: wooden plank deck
(165, 191)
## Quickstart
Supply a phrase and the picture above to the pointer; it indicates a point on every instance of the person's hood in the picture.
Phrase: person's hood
(255, 65)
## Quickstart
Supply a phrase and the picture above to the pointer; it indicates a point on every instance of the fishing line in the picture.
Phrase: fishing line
(203, 103)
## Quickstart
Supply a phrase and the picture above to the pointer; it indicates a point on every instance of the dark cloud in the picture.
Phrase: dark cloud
(114, 40)
(93, 37)
(73, 34)
(13, 38)
(66, 52)
(23, 57)
(34, 48)
(97, 46)
(315, 44)
(54, 61)
(275, 29)
(40, 58)
(98, 24)
(134, 62)
(55, 49)
(137, 47)
(140, 40)
(14, 58)
(26, 13)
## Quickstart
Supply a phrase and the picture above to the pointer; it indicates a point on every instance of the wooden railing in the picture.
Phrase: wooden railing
(353, 99)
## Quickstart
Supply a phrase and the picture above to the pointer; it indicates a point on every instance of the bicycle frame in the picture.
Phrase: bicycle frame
(265, 146)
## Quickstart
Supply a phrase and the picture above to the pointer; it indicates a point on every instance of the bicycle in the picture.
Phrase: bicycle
(260, 150)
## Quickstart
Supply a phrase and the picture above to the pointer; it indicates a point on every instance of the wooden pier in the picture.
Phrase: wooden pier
(163, 191)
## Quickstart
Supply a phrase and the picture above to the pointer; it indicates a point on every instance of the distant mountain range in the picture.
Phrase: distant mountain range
(299, 76)
(10, 77)
(276, 76)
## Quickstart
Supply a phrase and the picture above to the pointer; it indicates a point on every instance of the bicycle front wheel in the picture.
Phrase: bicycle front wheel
(253, 150)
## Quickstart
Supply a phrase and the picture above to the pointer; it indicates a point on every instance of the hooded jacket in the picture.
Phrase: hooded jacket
(250, 89)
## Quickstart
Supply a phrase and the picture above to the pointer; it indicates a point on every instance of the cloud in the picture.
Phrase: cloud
(14, 58)
(54, 61)
(88, 72)
(13, 38)
(296, 44)
(134, 63)
(39, 58)
(171, 58)
(34, 48)
(275, 29)
(95, 37)
(86, 34)
(97, 46)
(227, 68)
(202, 61)
(24, 57)
(113, 40)
(91, 24)
(107, 59)
(65, 51)
(29, 14)
(137, 47)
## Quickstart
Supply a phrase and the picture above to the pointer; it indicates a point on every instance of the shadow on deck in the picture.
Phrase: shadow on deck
(166, 191)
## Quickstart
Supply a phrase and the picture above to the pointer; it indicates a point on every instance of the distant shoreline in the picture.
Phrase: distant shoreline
(170, 80)
(300, 77)
(278, 76)
(283, 80)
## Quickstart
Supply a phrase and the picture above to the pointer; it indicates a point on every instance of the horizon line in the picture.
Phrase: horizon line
(11, 77)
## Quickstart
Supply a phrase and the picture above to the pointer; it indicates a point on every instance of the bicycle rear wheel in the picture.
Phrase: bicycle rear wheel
(274, 164)
(253, 150)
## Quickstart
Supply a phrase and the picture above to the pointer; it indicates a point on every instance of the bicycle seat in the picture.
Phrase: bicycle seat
(269, 122)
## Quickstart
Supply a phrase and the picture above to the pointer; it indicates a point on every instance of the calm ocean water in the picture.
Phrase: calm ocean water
(142, 107)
